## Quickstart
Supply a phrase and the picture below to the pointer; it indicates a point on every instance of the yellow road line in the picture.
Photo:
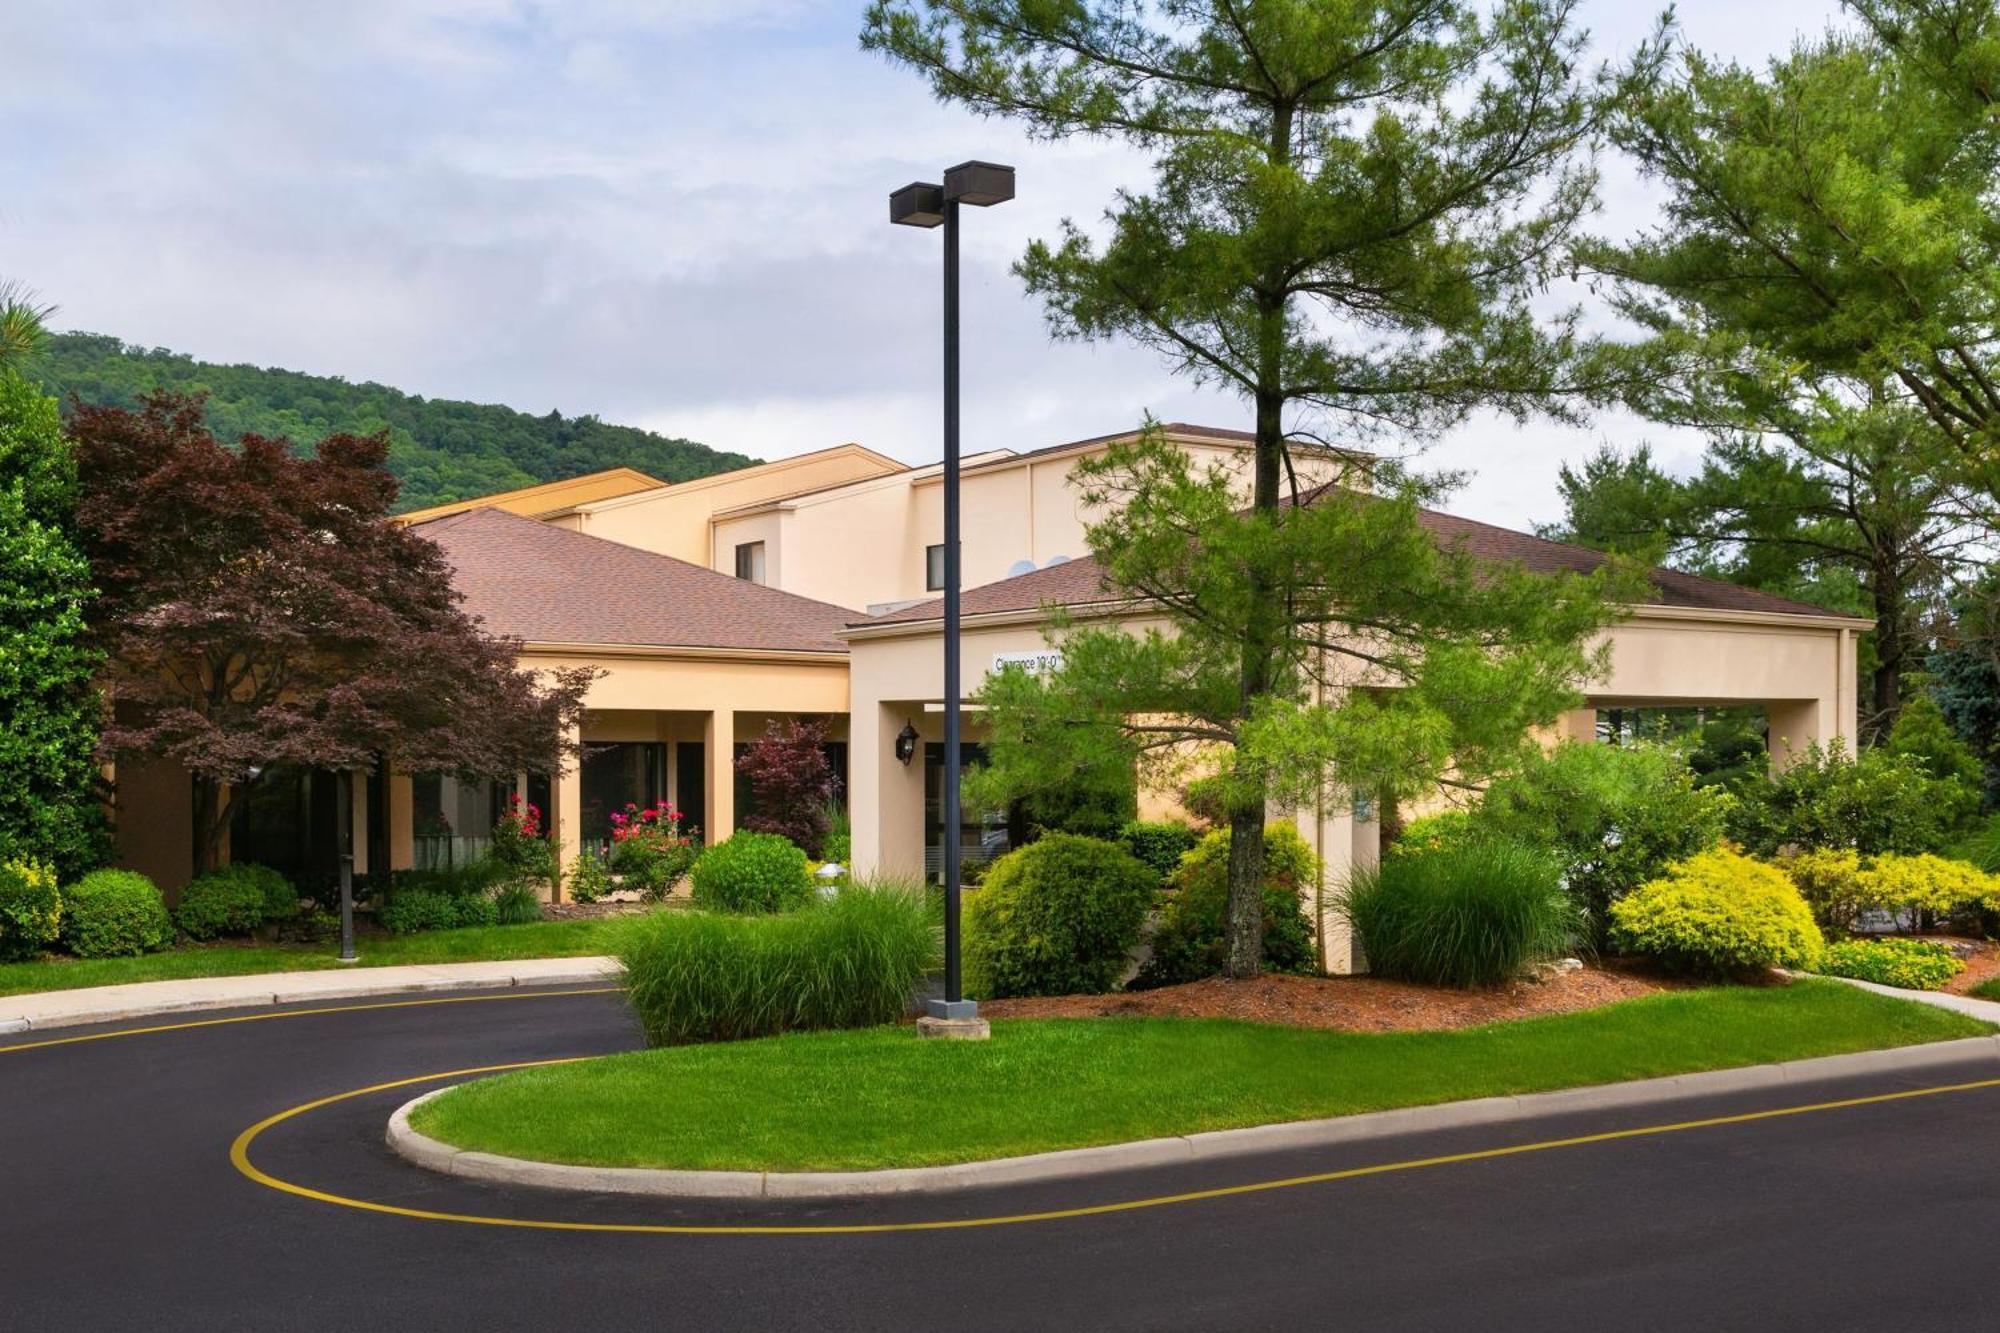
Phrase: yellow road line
(300, 1013)
(239, 1155)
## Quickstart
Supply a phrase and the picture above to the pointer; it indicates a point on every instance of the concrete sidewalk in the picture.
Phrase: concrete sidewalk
(1987, 1011)
(111, 1004)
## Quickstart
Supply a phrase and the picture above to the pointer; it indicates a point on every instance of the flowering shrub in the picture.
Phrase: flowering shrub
(30, 909)
(1720, 914)
(1910, 964)
(521, 844)
(649, 849)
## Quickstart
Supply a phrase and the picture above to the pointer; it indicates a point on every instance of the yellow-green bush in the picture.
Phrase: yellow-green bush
(1830, 880)
(1926, 884)
(30, 908)
(1909, 964)
(1718, 914)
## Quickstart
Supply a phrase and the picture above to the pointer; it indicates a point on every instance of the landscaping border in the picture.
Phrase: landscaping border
(431, 1154)
(39, 1010)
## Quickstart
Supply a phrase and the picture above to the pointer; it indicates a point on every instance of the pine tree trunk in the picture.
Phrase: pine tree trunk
(1891, 648)
(1246, 894)
(1264, 632)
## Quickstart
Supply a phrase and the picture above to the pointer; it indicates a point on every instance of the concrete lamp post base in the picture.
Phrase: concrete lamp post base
(956, 1020)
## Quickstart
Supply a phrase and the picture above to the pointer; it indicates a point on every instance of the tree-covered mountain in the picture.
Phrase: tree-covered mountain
(439, 449)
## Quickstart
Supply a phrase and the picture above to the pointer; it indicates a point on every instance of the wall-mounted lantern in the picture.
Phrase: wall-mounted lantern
(906, 744)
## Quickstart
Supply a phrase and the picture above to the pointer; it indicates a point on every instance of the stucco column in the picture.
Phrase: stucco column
(886, 797)
(1797, 724)
(566, 795)
(1580, 724)
(358, 816)
(402, 822)
(718, 740)
(866, 777)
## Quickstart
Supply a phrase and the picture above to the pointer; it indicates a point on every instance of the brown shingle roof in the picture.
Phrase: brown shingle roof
(1082, 580)
(542, 584)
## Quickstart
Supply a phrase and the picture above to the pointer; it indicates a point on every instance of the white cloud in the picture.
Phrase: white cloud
(665, 213)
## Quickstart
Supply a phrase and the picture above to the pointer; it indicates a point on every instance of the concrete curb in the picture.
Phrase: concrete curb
(1077, 1162)
(42, 1010)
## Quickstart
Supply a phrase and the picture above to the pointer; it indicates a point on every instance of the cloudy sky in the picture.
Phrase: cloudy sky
(667, 212)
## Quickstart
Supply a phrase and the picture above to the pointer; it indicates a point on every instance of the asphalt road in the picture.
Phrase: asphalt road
(120, 1209)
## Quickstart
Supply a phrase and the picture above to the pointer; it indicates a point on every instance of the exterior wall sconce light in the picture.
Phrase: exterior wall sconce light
(906, 744)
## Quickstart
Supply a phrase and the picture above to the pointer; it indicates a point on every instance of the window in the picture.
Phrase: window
(934, 567)
(750, 561)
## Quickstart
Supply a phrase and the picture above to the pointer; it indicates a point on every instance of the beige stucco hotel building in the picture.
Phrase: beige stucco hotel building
(807, 586)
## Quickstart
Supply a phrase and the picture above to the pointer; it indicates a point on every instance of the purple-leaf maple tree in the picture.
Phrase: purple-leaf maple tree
(258, 607)
(791, 783)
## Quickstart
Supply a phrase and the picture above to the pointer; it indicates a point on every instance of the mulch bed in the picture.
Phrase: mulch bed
(1348, 1004)
(1982, 966)
(584, 911)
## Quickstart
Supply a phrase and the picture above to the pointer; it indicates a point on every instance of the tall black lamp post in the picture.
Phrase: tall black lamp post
(921, 204)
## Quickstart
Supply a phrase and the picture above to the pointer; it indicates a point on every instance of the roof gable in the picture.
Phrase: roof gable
(528, 580)
(1081, 581)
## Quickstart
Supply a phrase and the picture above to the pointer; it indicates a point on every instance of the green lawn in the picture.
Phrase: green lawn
(882, 1097)
(541, 939)
(1988, 990)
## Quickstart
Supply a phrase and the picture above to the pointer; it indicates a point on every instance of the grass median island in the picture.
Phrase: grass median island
(541, 939)
(881, 1098)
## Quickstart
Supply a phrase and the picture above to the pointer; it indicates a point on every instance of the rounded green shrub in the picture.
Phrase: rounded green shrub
(752, 872)
(411, 910)
(517, 905)
(1469, 913)
(234, 900)
(1191, 940)
(30, 909)
(1431, 832)
(1057, 917)
(476, 910)
(1160, 845)
(115, 913)
(1909, 964)
(1718, 914)
(853, 961)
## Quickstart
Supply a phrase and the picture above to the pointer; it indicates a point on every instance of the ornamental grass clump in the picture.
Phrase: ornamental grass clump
(1908, 964)
(752, 872)
(115, 913)
(851, 961)
(1718, 914)
(1466, 914)
(1057, 917)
